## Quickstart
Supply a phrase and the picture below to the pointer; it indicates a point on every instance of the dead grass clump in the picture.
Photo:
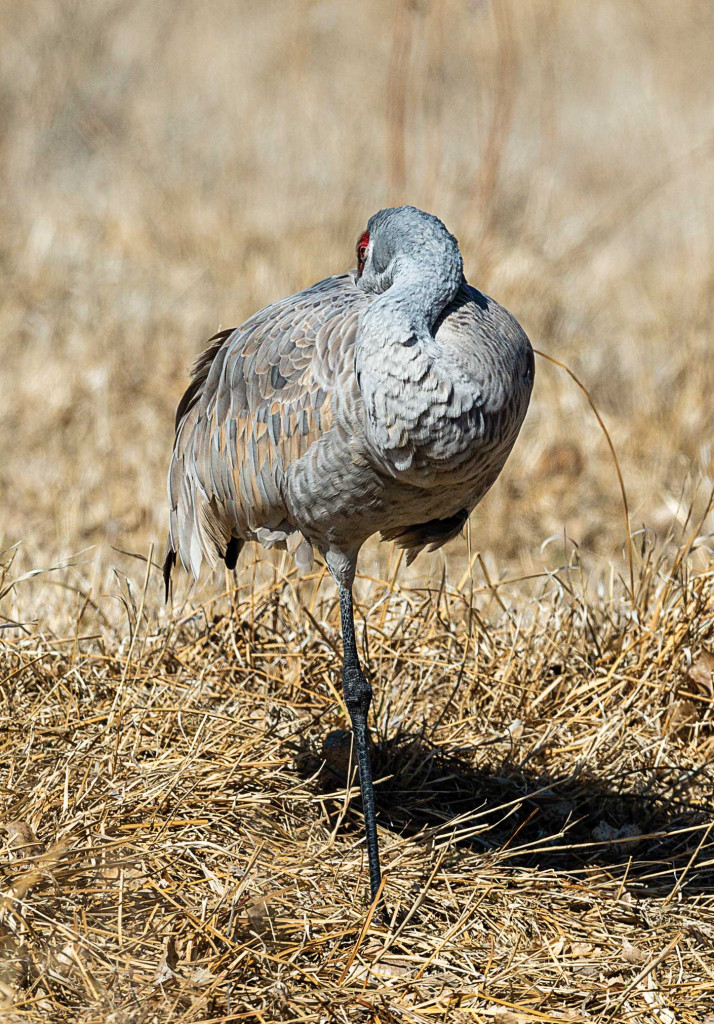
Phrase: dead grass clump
(183, 841)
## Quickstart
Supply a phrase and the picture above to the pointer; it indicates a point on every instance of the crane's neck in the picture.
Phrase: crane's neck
(415, 295)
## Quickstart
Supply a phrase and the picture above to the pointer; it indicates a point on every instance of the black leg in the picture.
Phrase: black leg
(358, 697)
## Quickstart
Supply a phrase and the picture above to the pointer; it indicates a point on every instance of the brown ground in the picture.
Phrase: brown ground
(178, 840)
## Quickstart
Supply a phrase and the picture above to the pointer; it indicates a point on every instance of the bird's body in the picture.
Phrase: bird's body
(277, 443)
(383, 400)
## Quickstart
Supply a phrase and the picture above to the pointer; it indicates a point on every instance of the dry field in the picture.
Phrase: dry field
(178, 842)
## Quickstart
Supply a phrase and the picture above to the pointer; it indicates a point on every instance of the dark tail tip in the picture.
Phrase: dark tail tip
(169, 563)
(232, 551)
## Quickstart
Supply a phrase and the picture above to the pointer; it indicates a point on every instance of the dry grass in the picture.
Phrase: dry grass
(179, 840)
(545, 801)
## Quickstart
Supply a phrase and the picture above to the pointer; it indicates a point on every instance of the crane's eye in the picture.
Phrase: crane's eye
(362, 246)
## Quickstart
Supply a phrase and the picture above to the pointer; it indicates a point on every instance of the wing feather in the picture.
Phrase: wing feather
(259, 397)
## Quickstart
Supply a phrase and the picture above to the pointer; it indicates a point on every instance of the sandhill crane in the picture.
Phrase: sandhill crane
(386, 399)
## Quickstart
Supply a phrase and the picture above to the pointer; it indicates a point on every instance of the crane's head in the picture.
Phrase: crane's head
(402, 240)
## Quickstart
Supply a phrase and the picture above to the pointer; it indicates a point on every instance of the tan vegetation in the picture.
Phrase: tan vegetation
(178, 839)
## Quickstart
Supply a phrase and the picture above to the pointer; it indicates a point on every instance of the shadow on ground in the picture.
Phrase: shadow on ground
(643, 825)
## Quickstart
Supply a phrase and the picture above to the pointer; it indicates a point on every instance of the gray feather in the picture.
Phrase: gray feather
(387, 403)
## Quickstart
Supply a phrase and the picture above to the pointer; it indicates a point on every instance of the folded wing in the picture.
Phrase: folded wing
(259, 397)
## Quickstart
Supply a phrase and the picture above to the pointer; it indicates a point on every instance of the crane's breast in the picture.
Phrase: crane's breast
(454, 414)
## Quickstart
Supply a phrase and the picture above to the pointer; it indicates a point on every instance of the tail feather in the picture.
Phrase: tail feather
(169, 563)
(233, 549)
(432, 534)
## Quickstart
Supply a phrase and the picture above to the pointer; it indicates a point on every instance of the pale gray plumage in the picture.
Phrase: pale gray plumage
(382, 401)
(357, 406)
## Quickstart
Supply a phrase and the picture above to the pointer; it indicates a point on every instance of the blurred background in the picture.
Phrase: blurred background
(168, 167)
